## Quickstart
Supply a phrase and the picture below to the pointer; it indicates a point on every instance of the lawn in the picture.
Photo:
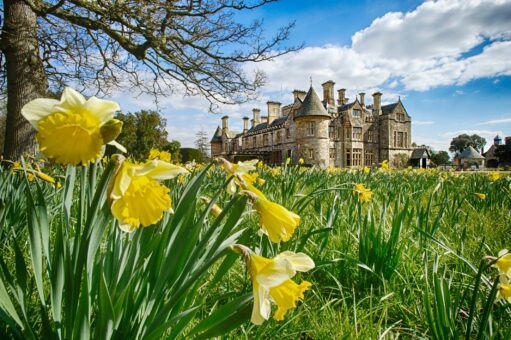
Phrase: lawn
(412, 253)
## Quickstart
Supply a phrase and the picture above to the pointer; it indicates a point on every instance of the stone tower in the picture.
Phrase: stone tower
(312, 120)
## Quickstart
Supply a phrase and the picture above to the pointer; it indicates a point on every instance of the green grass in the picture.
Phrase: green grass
(408, 264)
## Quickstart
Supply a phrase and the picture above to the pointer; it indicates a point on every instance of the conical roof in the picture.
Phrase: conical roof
(217, 137)
(312, 106)
(470, 152)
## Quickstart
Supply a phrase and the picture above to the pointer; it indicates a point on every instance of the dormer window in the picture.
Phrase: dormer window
(357, 113)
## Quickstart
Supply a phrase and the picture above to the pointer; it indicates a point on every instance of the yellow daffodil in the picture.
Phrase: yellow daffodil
(271, 281)
(480, 195)
(161, 155)
(260, 164)
(367, 170)
(494, 176)
(385, 165)
(237, 170)
(73, 130)
(45, 177)
(504, 292)
(364, 194)
(30, 177)
(215, 209)
(503, 262)
(137, 196)
(276, 221)
(288, 160)
(301, 161)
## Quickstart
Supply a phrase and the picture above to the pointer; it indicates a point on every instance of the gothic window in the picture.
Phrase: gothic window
(369, 160)
(357, 157)
(357, 133)
(370, 135)
(331, 132)
(332, 153)
(311, 127)
(400, 139)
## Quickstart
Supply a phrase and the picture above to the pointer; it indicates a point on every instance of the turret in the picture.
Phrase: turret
(497, 140)
(311, 123)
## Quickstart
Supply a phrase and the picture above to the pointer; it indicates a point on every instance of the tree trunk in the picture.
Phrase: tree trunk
(26, 77)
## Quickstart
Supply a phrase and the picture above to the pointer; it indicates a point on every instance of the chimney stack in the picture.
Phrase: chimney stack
(342, 96)
(362, 95)
(299, 94)
(328, 92)
(256, 113)
(377, 102)
(245, 125)
(225, 123)
(273, 111)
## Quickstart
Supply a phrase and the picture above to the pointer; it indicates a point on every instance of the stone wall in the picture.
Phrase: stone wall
(319, 143)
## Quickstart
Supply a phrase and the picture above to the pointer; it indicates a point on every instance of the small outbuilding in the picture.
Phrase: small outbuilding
(469, 158)
(420, 158)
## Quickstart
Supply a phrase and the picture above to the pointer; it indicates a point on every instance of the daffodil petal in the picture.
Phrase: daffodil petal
(262, 308)
(38, 109)
(160, 170)
(122, 182)
(71, 100)
(119, 146)
(103, 109)
(274, 274)
(299, 261)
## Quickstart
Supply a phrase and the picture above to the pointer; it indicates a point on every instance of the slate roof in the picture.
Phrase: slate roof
(470, 152)
(419, 153)
(217, 137)
(387, 109)
(312, 106)
(345, 107)
(261, 126)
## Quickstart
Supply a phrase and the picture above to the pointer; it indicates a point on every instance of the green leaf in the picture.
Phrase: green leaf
(225, 318)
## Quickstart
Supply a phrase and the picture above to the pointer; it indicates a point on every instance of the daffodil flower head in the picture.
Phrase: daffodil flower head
(504, 292)
(237, 170)
(503, 262)
(480, 195)
(301, 161)
(276, 221)
(73, 130)
(271, 281)
(138, 199)
(364, 194)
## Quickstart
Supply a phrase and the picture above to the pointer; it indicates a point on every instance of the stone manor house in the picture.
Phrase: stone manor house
(324, 132)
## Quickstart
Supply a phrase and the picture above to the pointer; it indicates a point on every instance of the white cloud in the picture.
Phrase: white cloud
(440, 43)
(496, 121)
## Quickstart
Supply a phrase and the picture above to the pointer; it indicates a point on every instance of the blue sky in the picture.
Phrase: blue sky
(449, 61)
